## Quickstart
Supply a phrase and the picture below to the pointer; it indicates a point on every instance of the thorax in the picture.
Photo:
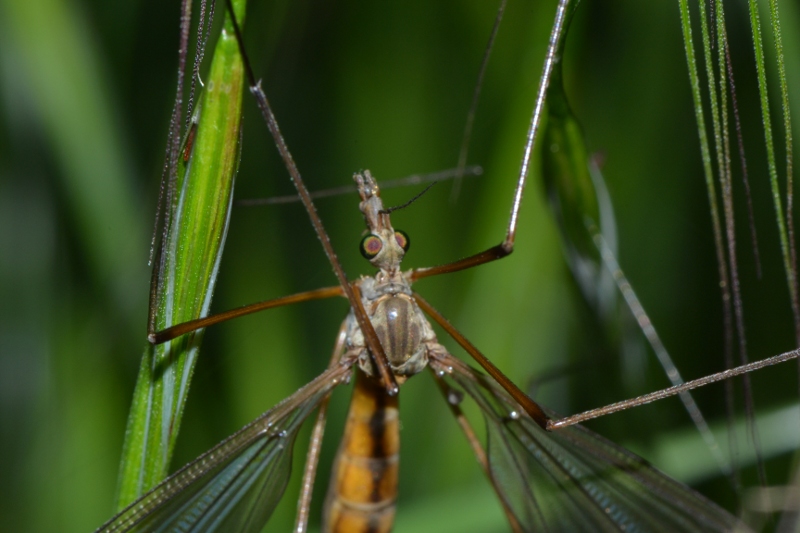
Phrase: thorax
(399, 323)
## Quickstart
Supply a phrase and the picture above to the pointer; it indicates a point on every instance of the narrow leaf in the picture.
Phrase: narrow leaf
(191, 256)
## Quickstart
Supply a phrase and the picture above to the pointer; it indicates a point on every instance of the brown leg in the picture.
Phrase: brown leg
(507, 246)
(315, 443)
(349, 289)
(531, 407)
(477, 447)
(177, 330)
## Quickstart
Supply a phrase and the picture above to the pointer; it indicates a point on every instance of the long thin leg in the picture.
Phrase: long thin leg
(670, 391)
(507, 246)
(536, 412)
(315, 443)
(480, 454)
(177, 330)
(371, 338)
(660, 351)
(453, 398)
(531, 407)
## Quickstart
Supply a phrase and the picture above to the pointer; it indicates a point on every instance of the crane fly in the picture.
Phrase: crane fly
(570, 479)
(577, 480)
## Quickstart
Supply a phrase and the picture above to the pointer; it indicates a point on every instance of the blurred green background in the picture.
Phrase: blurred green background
(86, 89)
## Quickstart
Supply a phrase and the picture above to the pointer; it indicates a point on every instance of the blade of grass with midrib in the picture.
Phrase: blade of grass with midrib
(191, 254)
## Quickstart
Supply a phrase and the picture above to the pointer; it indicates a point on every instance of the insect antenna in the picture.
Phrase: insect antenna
(416, 197)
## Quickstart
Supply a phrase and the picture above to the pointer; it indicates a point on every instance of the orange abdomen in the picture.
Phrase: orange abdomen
(363, 488)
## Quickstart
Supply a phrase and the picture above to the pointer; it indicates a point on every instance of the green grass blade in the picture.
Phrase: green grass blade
(718, 110)
(192, 251)
(570, 189)
(705, 152)
(755, 23)
(580, 202)
(787, 131)
(572, 195)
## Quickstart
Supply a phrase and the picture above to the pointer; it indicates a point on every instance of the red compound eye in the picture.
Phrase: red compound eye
(402, 239)
(370, 246)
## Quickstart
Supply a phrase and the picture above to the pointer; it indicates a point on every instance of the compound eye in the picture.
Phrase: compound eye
(402, 239)
(371, 246)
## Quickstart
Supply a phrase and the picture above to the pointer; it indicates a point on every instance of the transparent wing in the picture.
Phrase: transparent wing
(236, 485)
(575, 480)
